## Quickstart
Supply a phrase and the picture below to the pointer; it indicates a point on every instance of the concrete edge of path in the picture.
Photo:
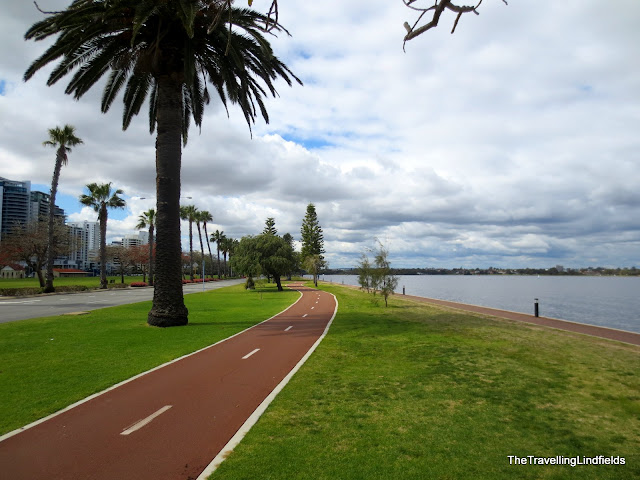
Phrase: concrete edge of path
(135, 377)
(257, 413)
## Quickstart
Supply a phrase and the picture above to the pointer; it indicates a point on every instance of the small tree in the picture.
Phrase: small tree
(364, 273)
(377, 277)
(121, 256)
(29, 243)
(245, 260)
(264, 254)
(313, 264)
(387, 281)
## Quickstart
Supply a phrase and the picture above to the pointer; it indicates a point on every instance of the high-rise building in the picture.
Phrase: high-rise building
(15, 199)
(78, 255)
(39, 207)
(141, 238)
(20, 205)
(92, 245)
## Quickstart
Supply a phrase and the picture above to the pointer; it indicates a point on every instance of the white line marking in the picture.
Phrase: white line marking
(288, 328)
(138, 425)
(250, 353)
(305, 315)
(312, 308)
(23, 302)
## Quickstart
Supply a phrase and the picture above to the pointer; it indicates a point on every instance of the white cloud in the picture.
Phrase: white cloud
(512, 142)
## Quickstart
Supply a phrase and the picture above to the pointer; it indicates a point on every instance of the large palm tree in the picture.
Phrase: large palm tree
(205, 217)
(217, 237)
(101, 197)
(165, 51)
(148, 220)
(62, 139)
(190, 213)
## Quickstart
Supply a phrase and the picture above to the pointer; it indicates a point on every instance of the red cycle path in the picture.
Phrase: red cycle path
(200, 402)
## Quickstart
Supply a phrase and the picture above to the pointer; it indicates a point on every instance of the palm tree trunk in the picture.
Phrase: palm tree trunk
(151, 228)
(191, 249)
(201, 249)
(103, 246)
(218, 247)
(168, 301)
(206, 236)
(52, 201)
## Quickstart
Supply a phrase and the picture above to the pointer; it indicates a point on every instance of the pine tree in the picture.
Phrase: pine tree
(270, 227)
(312, 241)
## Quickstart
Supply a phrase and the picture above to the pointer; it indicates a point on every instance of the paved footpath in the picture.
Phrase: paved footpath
(171, 422)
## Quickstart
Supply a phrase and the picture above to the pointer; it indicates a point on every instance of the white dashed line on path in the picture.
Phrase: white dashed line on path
(288, 328)
(138, 425)
(250, 353)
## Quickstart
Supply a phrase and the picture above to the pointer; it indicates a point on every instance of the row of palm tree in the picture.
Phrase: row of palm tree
(223, 243)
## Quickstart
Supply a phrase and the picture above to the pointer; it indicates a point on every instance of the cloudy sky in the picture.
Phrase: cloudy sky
(513, 142)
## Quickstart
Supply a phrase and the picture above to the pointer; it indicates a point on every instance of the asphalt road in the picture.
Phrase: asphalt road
(12, 308)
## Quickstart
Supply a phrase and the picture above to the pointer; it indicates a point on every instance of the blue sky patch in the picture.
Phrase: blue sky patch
(308, 143)
(3, 85)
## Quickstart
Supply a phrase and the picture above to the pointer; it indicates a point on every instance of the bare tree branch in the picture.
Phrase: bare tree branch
(436, 10)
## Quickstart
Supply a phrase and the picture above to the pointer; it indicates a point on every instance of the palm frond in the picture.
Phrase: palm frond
(134, 96)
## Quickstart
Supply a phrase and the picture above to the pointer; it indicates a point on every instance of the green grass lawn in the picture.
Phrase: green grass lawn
(49, 363)
(418, 392)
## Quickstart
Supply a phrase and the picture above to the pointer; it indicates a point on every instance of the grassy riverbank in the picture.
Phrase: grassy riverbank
(414, 392)
(49, 363)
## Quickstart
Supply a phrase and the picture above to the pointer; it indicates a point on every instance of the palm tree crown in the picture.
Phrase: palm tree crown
(194, 41)
(63, 138)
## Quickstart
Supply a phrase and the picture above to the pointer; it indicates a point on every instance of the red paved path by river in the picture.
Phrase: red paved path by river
(193, 407)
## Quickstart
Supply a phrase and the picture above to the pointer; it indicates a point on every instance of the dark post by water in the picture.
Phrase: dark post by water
(535, 308)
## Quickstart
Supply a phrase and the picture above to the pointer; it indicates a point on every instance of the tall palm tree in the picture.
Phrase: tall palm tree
(62, 139)
(217, 237)
(225, 247)
(148, 220)
(168, 51)
(101, 197)
(198, 220)
(205, 217)
(189, 212)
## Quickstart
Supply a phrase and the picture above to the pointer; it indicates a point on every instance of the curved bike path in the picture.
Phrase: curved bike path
(171, 422)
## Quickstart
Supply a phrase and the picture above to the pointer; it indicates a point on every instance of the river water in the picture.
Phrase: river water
(612, 302)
